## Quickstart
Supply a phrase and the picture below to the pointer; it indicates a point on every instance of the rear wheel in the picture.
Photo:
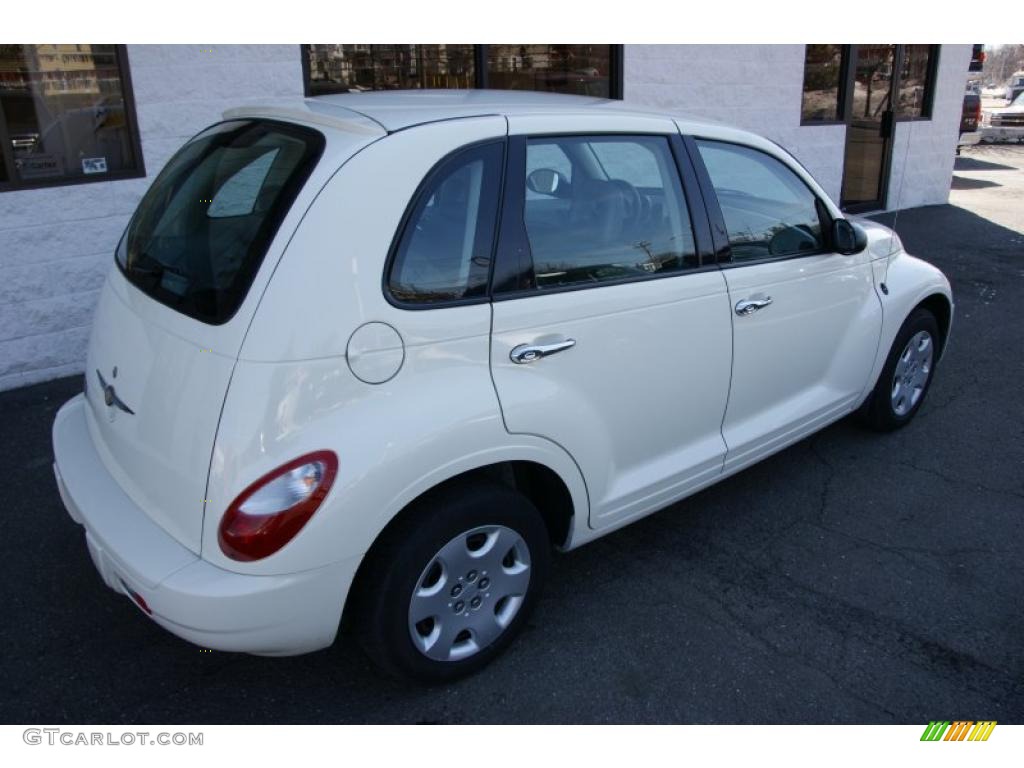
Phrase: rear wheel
(453, 583)
(906, 376)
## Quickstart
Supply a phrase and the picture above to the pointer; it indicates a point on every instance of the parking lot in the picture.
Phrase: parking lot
(853, 578)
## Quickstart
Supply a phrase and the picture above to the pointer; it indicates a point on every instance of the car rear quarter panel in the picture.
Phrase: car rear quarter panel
(436, 419)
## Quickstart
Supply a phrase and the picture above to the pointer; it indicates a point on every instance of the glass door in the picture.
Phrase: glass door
(869, 127)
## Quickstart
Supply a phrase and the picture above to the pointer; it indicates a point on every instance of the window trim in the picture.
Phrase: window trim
(616, 70)
(718, 226)
(131, 123)
(514, 257)
(403, 224)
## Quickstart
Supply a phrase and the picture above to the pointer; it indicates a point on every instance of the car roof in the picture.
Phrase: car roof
(392, 111)
(378, 113)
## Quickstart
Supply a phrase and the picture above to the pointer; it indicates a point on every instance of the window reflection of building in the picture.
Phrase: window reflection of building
(64, 111)
(580, 69)
(334, 68)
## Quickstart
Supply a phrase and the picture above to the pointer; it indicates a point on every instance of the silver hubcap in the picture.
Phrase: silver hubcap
(469, 593)
(912, 372)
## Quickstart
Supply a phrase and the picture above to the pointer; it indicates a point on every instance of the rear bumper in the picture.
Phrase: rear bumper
(969, 138)
(277, 615)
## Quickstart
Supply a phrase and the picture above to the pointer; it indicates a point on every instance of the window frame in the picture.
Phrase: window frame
(616, 70)
(930, 81)
(513, 273)
(720, 231)
(841, 106)
(13, 184)
(848, 75)
(422, 190)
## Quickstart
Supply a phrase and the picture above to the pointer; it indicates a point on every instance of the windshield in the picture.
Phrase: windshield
(201, 231)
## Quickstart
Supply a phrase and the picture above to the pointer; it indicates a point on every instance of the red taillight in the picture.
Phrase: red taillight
(139, 599)
(269, 513)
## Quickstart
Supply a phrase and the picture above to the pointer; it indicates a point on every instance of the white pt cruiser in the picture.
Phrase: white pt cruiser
(376, 355)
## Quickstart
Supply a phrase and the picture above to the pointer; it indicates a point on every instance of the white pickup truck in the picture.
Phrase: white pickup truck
(1004, 123)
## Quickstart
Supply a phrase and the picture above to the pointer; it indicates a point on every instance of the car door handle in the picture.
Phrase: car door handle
(750, 306)
(528, 353)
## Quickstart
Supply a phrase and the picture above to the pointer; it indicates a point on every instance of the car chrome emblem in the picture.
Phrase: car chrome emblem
(110, 394)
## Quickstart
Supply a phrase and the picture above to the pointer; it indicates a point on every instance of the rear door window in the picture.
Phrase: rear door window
(200, 233)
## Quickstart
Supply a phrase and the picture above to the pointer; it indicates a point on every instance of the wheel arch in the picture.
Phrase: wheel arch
(942, 308)
(546, 489)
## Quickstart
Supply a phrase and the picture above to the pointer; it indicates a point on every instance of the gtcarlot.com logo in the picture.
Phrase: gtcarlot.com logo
(72, 738)
(959, 730)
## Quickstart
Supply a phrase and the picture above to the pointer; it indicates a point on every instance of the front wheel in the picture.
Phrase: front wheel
(453, 583)
(906, 376)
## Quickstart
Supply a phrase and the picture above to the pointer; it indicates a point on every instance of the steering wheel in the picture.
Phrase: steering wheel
(634, 202)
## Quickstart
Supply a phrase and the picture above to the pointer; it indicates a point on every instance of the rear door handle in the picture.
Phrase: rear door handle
(750, 306)
(528, 353)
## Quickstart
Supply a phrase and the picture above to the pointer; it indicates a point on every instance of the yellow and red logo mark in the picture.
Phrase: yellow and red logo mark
(958, 730)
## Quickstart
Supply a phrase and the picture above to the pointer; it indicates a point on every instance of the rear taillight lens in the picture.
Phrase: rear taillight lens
(269, 513)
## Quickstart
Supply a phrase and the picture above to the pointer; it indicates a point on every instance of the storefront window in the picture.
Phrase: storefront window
(65, 115)
(823, 72)
(341, 68)
(591, 70)
(916, 81)
(579, 69)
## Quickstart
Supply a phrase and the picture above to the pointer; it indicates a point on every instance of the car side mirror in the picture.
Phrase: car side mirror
(848, 238)
(547, 181)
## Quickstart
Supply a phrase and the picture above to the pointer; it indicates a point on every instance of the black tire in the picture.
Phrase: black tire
(393, 569)
(878, 412)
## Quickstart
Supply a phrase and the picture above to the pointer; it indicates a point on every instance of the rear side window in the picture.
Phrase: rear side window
(768, 210)
(444, 253)
(605, 208)
(200, 233)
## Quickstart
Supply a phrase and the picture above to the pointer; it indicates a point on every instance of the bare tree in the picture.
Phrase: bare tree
(1001, 62)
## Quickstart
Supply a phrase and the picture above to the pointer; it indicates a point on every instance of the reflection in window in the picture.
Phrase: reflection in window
(621, 214)
(64, 113)
(445, 251)
(914, 81)
(579, 69)
(768, 210)
(237, 196)
(823, 68)
(872, 81)
(340, 68)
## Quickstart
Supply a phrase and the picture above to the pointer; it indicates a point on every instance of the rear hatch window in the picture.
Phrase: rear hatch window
(198, 236)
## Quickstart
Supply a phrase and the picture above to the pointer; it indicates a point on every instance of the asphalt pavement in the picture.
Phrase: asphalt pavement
(853, 578)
